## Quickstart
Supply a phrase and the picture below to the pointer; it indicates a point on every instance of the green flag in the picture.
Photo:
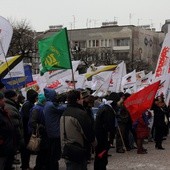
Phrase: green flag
(54, 52)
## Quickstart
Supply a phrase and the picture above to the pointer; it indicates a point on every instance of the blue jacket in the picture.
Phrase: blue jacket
(36, 117)
(52, 113)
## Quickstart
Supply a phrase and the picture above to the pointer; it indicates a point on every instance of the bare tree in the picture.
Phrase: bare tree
(22, 40)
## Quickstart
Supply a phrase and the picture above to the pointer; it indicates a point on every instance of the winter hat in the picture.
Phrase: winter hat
(84, 94)
(115, 97)
(1, 95)
(32, 95)
(9, 94)
(41, 98)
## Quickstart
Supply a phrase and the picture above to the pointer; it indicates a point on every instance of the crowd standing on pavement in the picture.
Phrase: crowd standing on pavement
(74, 121)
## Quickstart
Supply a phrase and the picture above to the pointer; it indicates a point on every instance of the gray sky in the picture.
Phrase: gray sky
(86, 13)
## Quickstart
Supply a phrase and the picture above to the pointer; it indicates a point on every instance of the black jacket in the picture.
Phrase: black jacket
(105, 122)
(7, 137)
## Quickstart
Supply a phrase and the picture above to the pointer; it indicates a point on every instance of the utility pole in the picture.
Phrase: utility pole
(139, 20)
(74, 22)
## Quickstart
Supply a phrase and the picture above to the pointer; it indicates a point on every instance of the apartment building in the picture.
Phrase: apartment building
(112, 43)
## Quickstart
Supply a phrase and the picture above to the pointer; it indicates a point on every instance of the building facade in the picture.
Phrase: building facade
(111, 43)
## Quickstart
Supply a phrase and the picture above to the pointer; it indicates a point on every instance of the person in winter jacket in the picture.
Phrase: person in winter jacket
(160, 126)
(13, 112)
(52, 112)
(77, 125)
(7, 138)
(104, 124)
(88, 103)
(142, 131)
(11, 108)
(31, 98)
(37, 125)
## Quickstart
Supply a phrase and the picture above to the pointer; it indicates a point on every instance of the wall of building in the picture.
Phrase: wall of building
(115, 43)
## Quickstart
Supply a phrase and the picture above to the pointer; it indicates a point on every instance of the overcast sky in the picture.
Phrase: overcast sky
(86, 13)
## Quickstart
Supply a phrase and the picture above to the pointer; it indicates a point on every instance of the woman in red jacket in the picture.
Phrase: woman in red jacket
(142, 131)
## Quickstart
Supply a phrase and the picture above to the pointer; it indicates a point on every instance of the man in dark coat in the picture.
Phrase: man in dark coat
(7, 136)
(11, 108)
(104, 124)
(159, 125)
(32, 96)
(77, 126)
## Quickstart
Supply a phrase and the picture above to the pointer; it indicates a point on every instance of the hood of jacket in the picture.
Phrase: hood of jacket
(50, 94)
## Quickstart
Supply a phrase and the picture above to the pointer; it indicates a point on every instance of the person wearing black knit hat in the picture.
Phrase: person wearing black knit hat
(13, 113)
(9, 94)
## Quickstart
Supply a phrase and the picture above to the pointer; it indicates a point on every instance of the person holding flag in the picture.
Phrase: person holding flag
(141, 126)
(137, 104)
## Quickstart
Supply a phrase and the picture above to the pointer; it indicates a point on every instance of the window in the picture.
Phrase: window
(89, 43)
(102, 43)
(94, 43)
(122, 42)
(121, 55)
(110, 43)
(97, 43)
(82, 44)
(105, 42)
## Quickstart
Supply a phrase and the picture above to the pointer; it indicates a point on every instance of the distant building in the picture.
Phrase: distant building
(112, 43)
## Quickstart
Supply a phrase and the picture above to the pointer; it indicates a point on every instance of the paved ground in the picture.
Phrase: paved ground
(154, 160)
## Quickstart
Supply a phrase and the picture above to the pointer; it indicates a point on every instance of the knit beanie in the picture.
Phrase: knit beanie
(31, 95)
(115, 97)
(41, 98)
(9, 94)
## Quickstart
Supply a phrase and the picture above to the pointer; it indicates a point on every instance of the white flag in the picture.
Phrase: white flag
(52, 76)
(128, 84)
(103, 85)
(116, 77)
(6, 32)
(144, 81)
(163, 63)
(17, 71)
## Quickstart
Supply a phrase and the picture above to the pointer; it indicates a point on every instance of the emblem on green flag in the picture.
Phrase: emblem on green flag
(54, 52)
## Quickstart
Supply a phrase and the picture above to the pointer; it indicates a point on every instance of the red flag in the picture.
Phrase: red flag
(139, 102)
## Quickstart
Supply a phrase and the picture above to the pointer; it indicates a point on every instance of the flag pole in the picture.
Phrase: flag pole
(70, 58)
(120, 133)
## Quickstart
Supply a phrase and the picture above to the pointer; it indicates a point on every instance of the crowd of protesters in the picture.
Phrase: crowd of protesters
(77, 117)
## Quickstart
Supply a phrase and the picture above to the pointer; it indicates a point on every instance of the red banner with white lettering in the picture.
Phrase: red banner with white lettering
(139, 102)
